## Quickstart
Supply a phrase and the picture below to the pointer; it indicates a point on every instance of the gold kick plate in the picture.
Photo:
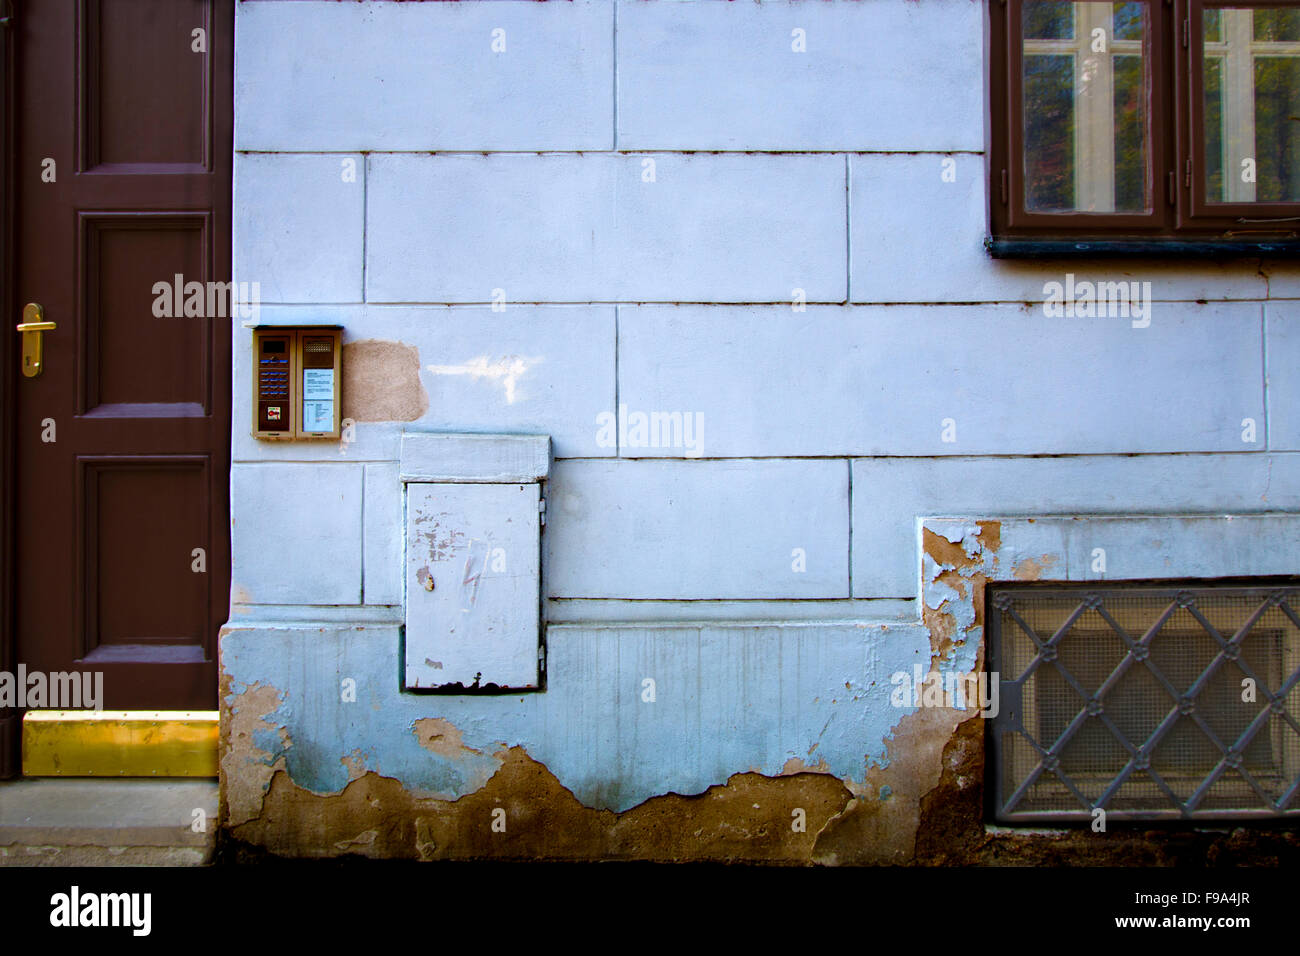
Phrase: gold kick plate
(120, 743)
(33, 326)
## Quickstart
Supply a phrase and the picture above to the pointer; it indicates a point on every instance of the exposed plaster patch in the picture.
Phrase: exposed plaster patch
(943, 634)
(1032, 569)
(381, 382)
(795, 765)
(750, 817)
(939, 598)
(247, 769)
(360, 841)
(441, 737)
(921, 803)
(945, 553)
(879, 826)
(950, 814)
(947, 586)
(931, 748)
(990, 536)
(355, 762)
(955, 563)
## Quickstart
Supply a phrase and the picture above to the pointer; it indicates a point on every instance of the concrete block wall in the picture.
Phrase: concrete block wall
(766, 216)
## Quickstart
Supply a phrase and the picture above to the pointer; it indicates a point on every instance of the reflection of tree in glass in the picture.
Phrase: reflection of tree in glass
(1130, 135)
(1212, 24)
(1127, 21)
(1214, 186)
(1277, 24)
(1277, 125)
(1049, 133)
(1049, 20)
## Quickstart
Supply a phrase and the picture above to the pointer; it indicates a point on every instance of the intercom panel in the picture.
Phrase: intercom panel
(297, 382)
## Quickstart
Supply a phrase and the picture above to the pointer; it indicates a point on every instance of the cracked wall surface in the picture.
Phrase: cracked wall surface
(812, 770)
(755, 742)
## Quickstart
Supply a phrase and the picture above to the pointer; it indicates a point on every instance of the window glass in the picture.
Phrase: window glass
(1251, 77)
(1049, 20)
(1278, 25)
(1084, 83)
(1128, 21)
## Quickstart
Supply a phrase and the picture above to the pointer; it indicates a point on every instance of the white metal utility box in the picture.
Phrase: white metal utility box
(475, 508)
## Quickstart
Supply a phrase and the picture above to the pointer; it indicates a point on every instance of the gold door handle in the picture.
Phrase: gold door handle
(32, 326)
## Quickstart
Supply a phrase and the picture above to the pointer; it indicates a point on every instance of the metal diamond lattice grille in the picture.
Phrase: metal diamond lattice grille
(1146, 702)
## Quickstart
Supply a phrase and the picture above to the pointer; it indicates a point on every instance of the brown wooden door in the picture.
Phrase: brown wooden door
(134, 109)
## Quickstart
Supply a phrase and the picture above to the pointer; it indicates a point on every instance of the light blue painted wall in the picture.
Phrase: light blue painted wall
(727, 699)
(778, 177)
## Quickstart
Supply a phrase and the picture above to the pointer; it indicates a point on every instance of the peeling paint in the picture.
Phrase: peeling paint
(879, 826)
(795, 765)
(441, 737)
(1033, 569)
(668, 747)
(592, 770)
(750, 817)
(246, 767)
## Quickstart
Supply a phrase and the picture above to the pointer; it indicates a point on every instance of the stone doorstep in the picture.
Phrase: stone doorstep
(80, 822)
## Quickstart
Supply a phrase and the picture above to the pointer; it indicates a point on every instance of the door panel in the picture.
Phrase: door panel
(122, 541)
(137, 65)
(128, 356)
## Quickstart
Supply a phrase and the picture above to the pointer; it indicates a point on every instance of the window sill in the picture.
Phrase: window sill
(1143, 248)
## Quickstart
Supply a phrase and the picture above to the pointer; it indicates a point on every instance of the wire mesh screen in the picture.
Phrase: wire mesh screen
(1147, 702)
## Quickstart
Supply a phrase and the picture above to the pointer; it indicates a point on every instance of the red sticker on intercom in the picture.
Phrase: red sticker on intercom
(273, 413)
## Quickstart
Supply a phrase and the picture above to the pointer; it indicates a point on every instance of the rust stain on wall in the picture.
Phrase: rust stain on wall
(381, 382)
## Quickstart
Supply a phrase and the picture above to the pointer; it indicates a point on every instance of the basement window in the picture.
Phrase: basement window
(1147, 702)
(1145, 127)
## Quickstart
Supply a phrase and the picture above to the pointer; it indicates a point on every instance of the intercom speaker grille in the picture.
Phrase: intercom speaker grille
(317, 353)
(1146, 702)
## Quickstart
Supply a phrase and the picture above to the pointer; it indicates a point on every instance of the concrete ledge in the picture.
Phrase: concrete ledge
(107, 822)
(462, 457)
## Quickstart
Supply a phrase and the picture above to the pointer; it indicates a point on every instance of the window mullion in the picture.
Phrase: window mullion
(1094, 110)
(1239, 103)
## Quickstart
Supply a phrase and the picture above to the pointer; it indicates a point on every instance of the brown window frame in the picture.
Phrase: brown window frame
(1181, 222)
